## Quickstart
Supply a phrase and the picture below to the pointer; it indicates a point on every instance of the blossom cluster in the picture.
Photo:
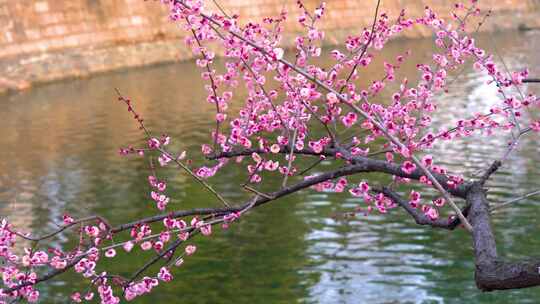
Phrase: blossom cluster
(293, 108)
(288, 101)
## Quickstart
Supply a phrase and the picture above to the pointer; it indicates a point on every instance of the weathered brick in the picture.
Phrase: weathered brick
(112, 27)
(55, 30)
(41, 6)
(138, 20)
(8, 36)
(50, 18)
(32, 34)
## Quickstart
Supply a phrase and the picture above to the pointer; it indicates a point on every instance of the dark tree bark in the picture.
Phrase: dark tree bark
(419, 217)
(491, 272)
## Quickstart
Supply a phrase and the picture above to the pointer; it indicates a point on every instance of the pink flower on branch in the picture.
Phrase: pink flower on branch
(286, 107)
(408, 167)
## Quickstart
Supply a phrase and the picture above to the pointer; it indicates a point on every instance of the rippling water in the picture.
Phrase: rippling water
(59, 153)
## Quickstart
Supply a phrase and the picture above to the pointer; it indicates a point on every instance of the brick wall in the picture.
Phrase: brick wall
(29, 26)
(44, 40)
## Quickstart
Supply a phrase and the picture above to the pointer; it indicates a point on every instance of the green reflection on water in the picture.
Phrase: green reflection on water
(61, 155)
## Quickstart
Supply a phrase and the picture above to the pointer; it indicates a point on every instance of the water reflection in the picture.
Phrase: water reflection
(60, 154)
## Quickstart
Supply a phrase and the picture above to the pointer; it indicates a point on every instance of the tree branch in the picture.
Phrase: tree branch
(45, 277)
(283, 150)
(373, 165)
(491, 272)
(419, 217)
(63, 227)
(492, 169)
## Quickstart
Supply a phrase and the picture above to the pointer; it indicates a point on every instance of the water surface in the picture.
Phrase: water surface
(59, 154)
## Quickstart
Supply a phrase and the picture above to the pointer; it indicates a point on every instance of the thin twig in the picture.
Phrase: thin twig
(63, 227)
(364, 50)
(253, 190)
(510, 202)
(291, 154)
(200, 180)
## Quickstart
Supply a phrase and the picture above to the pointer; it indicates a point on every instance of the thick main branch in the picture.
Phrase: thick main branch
(491, 272)
(371, 164)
